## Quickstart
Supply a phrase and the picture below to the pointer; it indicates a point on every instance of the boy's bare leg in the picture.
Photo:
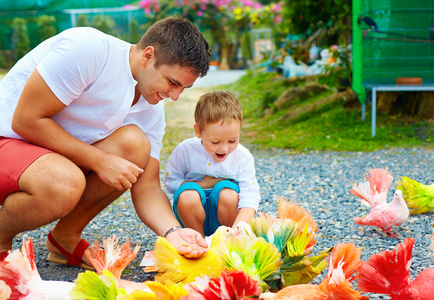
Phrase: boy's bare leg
(227, 208)
(50, 187)
(190, 210)
(128, 142)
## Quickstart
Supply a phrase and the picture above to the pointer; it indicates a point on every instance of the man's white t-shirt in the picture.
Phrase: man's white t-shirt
(88, 71)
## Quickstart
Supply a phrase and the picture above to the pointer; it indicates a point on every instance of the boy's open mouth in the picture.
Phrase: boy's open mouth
(220, 155)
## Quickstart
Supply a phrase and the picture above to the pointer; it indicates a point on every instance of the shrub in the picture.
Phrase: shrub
(46, 28)
(20, 38)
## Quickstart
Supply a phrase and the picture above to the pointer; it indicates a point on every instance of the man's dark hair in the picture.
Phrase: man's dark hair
(178, 41)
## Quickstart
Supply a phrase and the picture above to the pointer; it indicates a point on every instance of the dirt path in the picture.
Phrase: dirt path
(180, 117)
(180, 113)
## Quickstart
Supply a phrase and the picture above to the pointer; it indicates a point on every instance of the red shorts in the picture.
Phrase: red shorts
(15, 156)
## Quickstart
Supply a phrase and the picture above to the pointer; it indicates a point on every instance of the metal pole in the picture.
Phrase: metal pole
(374, 110)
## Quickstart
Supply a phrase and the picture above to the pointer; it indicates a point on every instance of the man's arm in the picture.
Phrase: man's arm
(153, 208)
(32, 121)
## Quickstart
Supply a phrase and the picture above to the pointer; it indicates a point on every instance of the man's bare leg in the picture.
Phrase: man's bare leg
(128, 142)
(50, 188)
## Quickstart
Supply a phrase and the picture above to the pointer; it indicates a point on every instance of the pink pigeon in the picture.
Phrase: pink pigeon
(373, 193)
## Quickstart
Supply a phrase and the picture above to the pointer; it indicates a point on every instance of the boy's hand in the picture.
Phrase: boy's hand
(188, 242)
(209, 182)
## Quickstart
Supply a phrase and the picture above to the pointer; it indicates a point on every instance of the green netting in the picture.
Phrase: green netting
(26, 5)
(66, 13)
(398, 43)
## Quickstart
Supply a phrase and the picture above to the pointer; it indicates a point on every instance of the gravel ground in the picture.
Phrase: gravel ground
(318, 181)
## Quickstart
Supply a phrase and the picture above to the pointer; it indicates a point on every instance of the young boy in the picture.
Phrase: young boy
(211, 175)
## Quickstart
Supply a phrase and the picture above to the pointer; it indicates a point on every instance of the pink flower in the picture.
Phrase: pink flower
(248, 3)
(199, 13)
(277, 19)
(145, 4)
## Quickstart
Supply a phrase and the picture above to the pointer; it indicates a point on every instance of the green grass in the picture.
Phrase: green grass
(333, 127)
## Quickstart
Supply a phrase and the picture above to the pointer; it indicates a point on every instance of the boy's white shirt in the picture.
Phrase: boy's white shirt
(97, 89)
(190, 162)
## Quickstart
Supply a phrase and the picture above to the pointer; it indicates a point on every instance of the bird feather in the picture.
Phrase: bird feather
(344, 262)
(174, 267)
(382, 214)
(388, 272)
(419, 197)
(19, 272)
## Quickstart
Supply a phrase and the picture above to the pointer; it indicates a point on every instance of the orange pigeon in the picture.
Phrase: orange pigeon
(373, 193)
(344, 262)
(114, 258)
(287, 209)
(389, 273)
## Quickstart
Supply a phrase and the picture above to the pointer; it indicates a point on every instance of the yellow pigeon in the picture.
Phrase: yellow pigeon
(174, 267)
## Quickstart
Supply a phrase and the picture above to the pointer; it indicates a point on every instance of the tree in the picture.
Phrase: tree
(226, 21)
(134, 32)
(308, 15)
(46, 28)
(20, 38)
(104, 24)
(83, 21)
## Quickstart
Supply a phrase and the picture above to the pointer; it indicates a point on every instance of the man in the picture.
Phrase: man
(82, 119)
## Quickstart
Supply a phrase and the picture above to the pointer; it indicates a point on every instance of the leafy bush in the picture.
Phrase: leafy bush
(20, 38)
(46, 27)
(104, 24)
(83, 21)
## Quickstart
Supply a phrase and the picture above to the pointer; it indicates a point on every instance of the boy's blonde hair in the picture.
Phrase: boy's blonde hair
(217, 106)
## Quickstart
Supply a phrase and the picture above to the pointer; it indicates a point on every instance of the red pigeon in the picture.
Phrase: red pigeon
(389, 273)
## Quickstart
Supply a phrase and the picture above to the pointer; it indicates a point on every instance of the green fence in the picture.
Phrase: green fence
(391, 39)
(66, 13)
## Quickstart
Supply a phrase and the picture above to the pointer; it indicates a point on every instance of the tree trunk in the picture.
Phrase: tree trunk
(224, 65)
(319, 105)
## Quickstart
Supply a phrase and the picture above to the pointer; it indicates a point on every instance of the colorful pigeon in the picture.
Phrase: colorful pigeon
(373, 193)
(419, 197)
(389, 273)
(19, 272)
(344, 263)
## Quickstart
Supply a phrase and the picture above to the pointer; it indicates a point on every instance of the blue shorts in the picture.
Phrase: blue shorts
(210, 199)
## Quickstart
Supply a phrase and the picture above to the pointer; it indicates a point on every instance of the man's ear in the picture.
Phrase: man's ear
(197, 131)
(147, 55)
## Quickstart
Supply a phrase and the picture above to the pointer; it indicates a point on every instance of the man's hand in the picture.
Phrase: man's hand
(118, 172)
(188, 242)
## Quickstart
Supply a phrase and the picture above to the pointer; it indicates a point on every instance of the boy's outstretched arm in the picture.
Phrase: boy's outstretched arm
(244, 215)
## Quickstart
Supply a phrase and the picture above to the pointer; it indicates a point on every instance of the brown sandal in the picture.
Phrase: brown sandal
(67, 258)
